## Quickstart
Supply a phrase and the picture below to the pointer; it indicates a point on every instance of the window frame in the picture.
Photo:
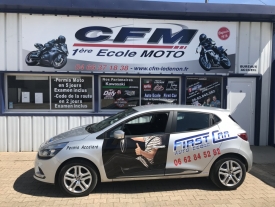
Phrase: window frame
(140, 89)
(50, 110)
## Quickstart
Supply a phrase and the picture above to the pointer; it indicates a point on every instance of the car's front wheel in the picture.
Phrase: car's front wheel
(77, 178)
(228, 173)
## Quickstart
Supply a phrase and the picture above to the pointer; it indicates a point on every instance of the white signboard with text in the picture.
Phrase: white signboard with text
(126, 45)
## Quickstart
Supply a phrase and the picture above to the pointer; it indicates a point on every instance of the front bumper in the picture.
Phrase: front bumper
(45, 170)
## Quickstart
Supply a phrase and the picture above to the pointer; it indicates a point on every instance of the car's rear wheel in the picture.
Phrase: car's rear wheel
(228, 173)
(77, 178)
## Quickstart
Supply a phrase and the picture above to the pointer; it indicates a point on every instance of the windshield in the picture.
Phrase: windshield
(109, 121)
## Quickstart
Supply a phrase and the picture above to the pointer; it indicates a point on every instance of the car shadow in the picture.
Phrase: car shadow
(26, 184)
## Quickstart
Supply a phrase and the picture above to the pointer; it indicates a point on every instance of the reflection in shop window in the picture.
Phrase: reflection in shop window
(28, 92)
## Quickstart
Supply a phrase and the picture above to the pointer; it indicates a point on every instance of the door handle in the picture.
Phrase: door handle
(159, 146)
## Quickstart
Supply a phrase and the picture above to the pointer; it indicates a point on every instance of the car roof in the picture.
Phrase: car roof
(170, 107)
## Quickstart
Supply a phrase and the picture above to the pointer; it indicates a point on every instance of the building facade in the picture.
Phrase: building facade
(62, 66)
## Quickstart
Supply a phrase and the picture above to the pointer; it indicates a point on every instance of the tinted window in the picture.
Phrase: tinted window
(144, 124)
(214, 119)
(190, 121)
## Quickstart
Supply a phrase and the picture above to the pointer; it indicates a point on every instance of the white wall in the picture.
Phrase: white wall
(26, 133)
(254, 46)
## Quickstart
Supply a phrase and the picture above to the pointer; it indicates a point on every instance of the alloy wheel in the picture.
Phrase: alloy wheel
(230, 173)
(77, 179)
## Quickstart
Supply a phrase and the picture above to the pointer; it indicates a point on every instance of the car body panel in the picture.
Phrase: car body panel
(188, 151)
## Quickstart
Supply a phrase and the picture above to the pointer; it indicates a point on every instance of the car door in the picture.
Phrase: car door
(143, 151)
(191, 147)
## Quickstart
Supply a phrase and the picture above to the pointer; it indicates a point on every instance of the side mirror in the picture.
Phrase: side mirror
(119, 134)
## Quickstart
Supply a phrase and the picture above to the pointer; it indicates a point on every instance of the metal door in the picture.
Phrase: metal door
(241, 93)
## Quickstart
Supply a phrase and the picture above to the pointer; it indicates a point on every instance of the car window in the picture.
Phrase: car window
(144, 124)
(216, 119)
(109, 121)
(190, 121)
(142, 119)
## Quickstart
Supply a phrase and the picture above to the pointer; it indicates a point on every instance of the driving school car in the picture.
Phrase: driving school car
(148, 142)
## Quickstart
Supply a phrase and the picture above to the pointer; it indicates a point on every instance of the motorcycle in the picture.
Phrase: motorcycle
(208, 58)
(56, 57)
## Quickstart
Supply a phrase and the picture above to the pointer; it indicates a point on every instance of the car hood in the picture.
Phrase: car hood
(74, 134)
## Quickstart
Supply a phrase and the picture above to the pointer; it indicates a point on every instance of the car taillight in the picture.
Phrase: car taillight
(243, 136)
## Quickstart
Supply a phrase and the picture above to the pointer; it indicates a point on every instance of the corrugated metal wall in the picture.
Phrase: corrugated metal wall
(27, 133)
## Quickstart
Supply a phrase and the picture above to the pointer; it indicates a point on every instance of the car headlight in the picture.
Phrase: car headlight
(50, 151)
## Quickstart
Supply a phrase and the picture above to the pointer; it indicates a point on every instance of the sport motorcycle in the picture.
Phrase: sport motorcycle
(208, 58)
(55, 57)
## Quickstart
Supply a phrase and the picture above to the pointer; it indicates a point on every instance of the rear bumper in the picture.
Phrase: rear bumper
(246, 152)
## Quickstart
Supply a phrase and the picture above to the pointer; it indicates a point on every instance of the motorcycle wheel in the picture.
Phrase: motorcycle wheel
(225, 63)
(59, 64)
(205, 65)
(29, 61)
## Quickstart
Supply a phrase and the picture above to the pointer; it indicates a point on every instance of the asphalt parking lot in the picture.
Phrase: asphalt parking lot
(19, 188)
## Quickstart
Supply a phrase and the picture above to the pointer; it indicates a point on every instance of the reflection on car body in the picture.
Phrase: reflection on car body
(148, 142)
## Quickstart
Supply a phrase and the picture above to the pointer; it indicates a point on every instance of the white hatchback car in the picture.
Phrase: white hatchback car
(148, 142)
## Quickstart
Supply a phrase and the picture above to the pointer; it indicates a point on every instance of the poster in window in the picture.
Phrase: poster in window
(25, 97)
(119, 92)
(38, 98)
(159, 91)
(204, 91)
(72, 92)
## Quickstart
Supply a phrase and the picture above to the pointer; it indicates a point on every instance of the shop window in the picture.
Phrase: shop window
(28, 92)
(71, 92)
(127, 92)
(119, 92)
(49, 93)
(159, 91)
(204, 91)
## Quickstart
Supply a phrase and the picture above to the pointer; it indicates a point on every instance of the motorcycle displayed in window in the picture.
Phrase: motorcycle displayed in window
(208, 58)
(55, 57)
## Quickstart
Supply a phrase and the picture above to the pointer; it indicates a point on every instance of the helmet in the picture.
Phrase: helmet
(61, 39)
(202, 37)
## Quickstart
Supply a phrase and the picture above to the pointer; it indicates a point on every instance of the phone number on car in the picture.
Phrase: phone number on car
(197, 156)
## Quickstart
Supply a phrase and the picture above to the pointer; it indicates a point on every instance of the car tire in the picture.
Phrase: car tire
(228, 173)
(77, 178)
